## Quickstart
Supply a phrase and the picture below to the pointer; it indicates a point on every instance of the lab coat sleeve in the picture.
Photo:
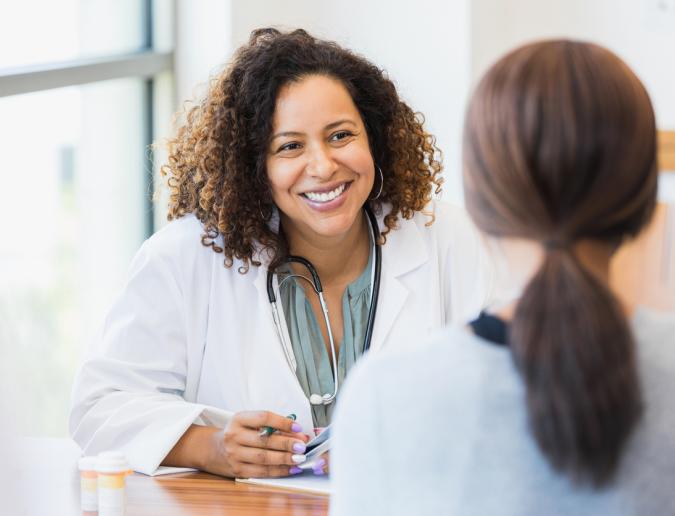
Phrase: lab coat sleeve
(358, 469)
(128, 394)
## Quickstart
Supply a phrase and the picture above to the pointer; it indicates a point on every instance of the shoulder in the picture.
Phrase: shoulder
(651, 450)
(174, 249)
(655, 337)
(184, 233)
(179, 244)
(453, 360)
(654, 325)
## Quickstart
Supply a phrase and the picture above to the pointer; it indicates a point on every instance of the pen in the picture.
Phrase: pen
(268, 430)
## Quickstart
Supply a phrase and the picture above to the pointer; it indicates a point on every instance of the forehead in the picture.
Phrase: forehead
(313, 101)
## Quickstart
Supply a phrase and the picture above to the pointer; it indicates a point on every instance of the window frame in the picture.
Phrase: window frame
(145, 63)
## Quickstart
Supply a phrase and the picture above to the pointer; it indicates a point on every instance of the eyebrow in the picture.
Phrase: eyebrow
(328, 127)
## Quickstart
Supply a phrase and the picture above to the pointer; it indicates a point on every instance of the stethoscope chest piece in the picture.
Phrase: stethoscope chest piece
(315, 281)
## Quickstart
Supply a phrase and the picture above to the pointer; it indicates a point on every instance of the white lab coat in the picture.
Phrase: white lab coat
(191, 341)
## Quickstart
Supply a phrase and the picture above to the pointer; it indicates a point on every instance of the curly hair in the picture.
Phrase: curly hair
(216, 162)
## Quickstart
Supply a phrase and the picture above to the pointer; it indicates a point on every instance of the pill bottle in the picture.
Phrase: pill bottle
(88, 483)
(112, 468)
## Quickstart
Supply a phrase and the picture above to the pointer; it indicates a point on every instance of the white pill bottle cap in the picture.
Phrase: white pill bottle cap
(111, 493)
(87, 463)
(112, 462)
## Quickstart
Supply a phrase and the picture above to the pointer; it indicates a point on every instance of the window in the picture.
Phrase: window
(39, 31)
(76, 176)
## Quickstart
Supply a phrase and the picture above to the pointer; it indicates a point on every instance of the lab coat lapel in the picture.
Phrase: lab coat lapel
(391, 300)
(403, 252)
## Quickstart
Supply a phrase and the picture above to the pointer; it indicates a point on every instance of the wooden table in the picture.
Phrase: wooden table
(49, 467)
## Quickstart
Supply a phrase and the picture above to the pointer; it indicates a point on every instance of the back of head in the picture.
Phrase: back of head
(560, 147)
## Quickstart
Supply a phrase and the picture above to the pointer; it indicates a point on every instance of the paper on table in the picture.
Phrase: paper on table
(168, 470)
(306, 482)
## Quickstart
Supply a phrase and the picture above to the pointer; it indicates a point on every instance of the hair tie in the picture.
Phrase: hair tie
(556, 244)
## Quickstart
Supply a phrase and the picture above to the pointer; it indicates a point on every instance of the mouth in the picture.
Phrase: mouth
(324, 196)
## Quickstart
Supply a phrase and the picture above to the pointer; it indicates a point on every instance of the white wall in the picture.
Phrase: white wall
(203, 43)
(637, 30)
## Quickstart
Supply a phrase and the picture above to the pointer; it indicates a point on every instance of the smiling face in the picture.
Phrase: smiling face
(319, 163)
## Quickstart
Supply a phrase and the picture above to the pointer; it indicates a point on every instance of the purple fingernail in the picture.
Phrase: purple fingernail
(320, 463)
(294, 470)
(299, 447)
(295, 427)
(318, 472)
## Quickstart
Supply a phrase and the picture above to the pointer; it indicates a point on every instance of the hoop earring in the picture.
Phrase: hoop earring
(262, 212)
(379, 192)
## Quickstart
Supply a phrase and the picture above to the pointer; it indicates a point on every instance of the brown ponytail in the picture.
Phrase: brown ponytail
(574, 350)
(560, 147)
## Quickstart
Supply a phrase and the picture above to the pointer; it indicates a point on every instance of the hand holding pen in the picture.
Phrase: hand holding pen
(244, 448)
(319, 466)
(268, 430)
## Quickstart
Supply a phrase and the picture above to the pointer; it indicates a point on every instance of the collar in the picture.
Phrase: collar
(405, 249)
(491, 328)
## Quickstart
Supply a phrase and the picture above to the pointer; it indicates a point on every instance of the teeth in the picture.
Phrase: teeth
(326, 196)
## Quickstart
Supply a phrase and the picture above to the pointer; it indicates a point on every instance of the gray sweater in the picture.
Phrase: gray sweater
(443, 430)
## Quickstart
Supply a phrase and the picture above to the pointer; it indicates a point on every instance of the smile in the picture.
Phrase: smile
(326, 196)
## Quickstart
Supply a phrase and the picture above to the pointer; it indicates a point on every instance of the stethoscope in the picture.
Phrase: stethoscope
(326, 399)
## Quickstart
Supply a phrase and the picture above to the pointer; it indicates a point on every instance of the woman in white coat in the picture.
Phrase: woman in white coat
(294, 139)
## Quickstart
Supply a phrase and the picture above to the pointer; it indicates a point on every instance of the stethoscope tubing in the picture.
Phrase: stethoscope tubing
(370, 324)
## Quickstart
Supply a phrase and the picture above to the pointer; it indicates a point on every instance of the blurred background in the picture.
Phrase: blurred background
(86, 86)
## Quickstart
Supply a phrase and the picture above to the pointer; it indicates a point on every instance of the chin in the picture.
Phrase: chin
(331, 230)
(334, 226)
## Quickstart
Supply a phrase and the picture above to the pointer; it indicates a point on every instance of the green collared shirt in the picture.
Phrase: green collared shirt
(314, 370)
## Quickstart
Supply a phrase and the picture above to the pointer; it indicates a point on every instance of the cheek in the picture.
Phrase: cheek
(362, 162)
(281, 178)
(361, 158)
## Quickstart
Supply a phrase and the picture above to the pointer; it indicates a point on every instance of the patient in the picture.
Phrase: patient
(561, 402)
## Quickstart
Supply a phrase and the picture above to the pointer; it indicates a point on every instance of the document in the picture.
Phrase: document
(170, 470)
(317, 447)
(306, 482)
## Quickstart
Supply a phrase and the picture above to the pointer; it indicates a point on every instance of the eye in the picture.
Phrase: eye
(341, 135)
(290, 146)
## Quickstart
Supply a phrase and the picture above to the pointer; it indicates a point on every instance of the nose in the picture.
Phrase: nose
(321, 163)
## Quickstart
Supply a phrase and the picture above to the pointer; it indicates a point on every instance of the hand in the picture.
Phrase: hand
(321, 466)
(240, 451)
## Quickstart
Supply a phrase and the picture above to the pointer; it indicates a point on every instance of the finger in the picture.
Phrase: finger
(303, 437)
(267, 457)
(318, 468)
(263, 418)
(279, 442)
